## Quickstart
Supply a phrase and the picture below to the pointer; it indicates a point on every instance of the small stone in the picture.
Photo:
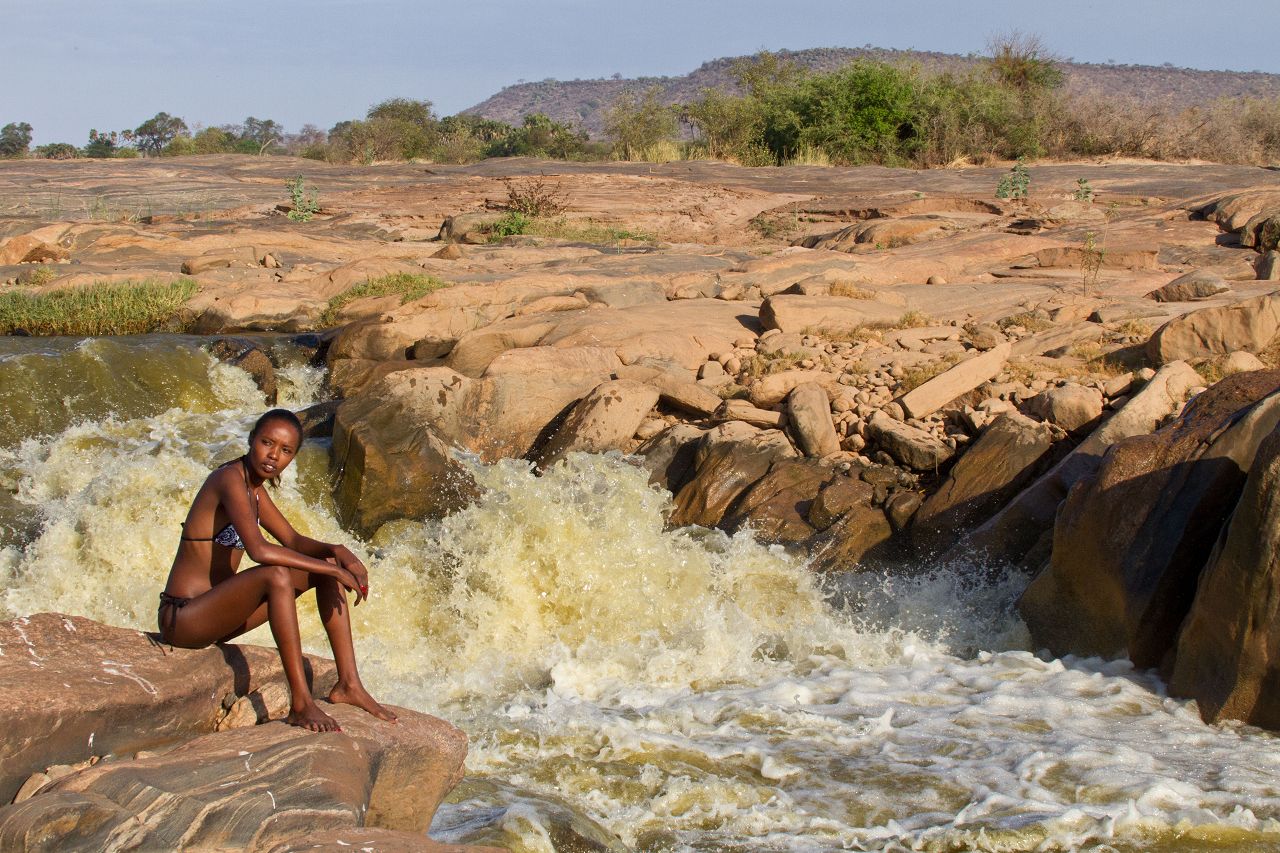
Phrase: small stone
(901, 507)
(936, 279)
(1241, 362)
(649, 427)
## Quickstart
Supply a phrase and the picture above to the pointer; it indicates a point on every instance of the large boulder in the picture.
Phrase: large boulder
(769, 391)
(670, 456)
(730, 458)
(776, 508)
(606, 419)
(911, 446)
(75, 689)
(685, 332)
(1003, 460)
(1248, 325)
(960, 379)
(826, 315)
(1228, 655)
(1130, 541)
(809, 415)
(394, 442)
(1197, 284)
(1070, 406)
(249, 789)
(1012, 534)
(850, 522)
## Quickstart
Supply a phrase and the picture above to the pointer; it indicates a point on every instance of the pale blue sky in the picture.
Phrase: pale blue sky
(75, 65)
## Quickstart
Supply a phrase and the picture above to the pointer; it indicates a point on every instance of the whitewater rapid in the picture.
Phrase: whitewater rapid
(625, 685)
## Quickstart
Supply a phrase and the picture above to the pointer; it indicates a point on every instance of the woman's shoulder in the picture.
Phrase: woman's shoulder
(227, 472)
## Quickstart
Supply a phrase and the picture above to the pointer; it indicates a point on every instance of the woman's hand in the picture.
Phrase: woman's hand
(351, 565)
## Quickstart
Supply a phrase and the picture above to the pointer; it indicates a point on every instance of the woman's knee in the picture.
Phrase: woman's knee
(278, 577)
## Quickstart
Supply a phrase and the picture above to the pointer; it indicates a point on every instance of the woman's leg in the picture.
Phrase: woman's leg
(335, 615)
(242, 602)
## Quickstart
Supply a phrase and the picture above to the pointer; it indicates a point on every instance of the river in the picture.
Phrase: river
(677, 690)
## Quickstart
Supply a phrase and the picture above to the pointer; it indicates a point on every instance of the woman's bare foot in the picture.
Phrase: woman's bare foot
(310, 717)
(355, 694)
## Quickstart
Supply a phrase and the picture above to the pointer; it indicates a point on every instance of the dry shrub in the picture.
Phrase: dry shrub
(850, 290)
(534, 197)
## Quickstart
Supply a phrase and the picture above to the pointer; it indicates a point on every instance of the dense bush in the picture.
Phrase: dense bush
(57, 151)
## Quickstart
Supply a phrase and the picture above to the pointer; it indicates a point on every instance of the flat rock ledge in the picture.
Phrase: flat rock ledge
(112, 741)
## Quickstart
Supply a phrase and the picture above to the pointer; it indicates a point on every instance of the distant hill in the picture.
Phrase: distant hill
(583, 103)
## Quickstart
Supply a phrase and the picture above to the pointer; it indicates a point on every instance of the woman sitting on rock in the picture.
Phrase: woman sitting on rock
(207, 601)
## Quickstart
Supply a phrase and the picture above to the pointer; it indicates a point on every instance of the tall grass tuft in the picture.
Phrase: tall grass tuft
(105, 308)
(409, 286)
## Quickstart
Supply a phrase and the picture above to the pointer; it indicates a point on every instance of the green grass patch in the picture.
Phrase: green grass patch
(409, 286)
(105, 308)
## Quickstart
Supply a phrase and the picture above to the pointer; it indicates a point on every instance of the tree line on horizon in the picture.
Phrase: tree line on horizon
(1010, 106)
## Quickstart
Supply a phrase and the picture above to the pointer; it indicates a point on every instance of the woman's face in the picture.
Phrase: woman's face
(272, 448)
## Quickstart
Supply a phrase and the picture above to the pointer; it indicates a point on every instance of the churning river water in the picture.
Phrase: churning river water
(626, 686)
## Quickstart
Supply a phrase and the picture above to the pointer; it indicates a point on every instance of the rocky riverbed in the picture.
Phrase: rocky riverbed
(875, 370)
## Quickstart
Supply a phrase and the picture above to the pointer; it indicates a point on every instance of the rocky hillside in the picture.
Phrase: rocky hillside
(584, 102)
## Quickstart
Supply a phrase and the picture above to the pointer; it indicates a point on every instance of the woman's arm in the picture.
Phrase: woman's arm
(233, 493)
(274, 522)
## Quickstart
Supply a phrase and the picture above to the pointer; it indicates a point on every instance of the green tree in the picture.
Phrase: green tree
(864, 112)
(262, 132)
(540, 136)
(102, 144)
(637, 122)
(157, 132)
(730, 126)
(404, 109)
(15, 137)
(212, 140)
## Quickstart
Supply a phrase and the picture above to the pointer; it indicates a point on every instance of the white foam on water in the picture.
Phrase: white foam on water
(685, 689)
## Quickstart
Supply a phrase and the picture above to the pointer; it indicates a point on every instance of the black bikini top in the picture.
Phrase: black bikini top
(228, 536)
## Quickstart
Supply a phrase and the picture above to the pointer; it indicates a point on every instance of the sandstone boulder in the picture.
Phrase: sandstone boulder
(1130, 541)
(730, 458)
(1241, 362)
(74, 689)
(809, 416)
(861, 529)
(669, 456)
(776, 508)
(1248, 325)
(1262, 232)
(1197, 284)
(826, 315)
(394, 442)
(1002, 461)
(960, 379)
(1009, 536)
(606, 419)
(252, 360)
(741, 410)
(1229, 647)
(1071, 406)
(771, 390)
(30, 249)
(250, 789)
(910, 446)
